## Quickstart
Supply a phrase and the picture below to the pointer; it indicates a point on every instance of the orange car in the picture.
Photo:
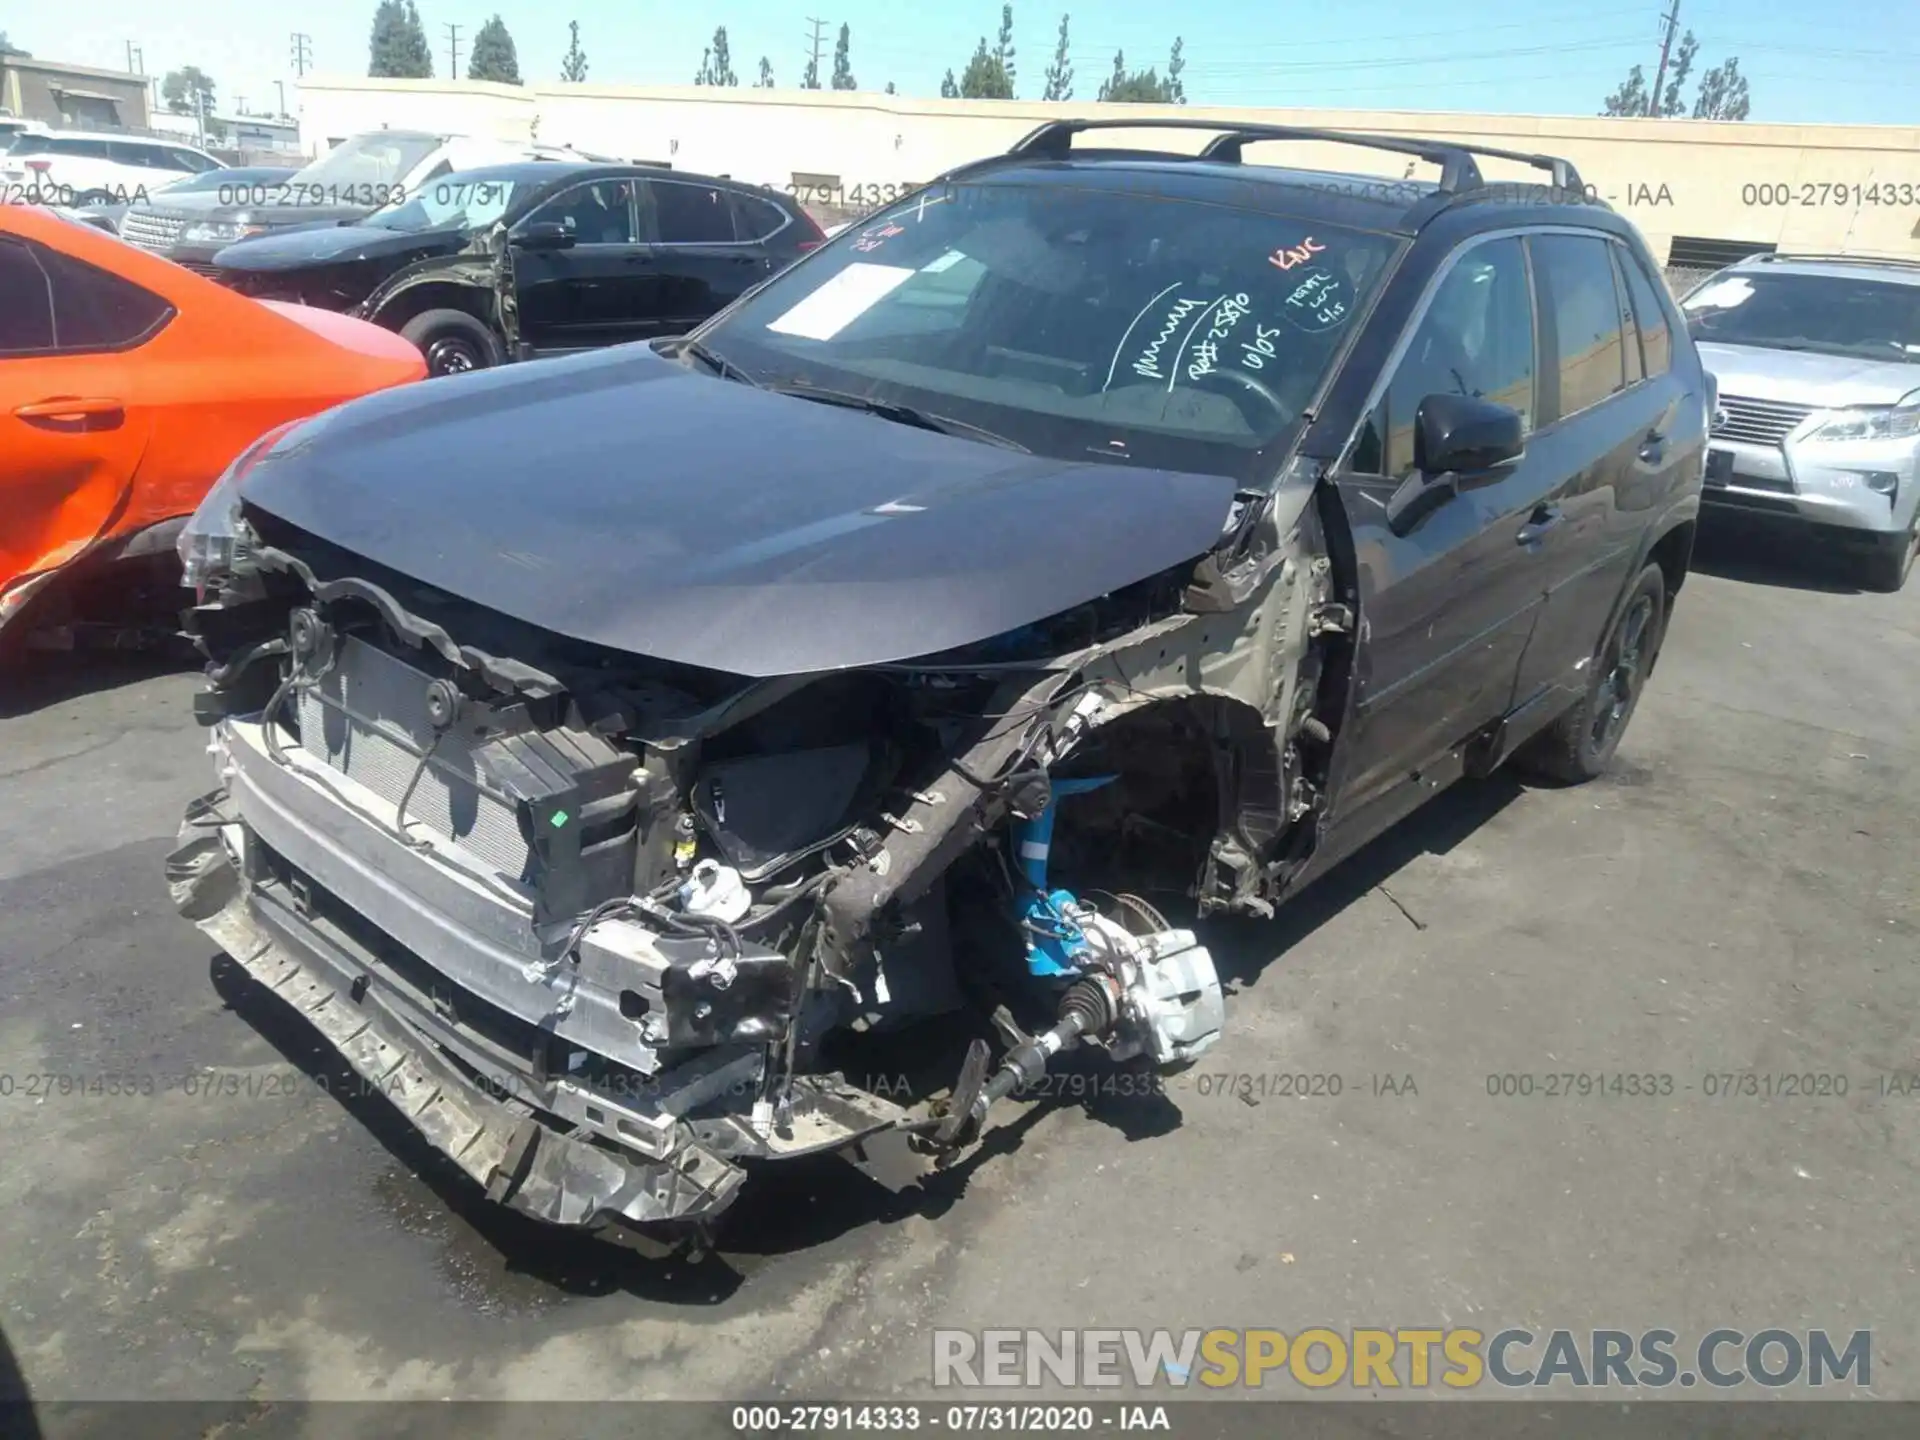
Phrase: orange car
(127, 385)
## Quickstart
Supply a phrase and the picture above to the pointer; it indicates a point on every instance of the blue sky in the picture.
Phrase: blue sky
(1551, 56)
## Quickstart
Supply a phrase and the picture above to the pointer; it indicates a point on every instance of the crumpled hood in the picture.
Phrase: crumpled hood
(299, 249)
(620, 499)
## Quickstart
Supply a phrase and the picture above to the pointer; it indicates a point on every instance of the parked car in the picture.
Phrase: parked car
(127, 385)
(80, 167)
(1818, 362)
(655, 729)
(12, 126)
(108, 216)
(534, 258)
(356, 177)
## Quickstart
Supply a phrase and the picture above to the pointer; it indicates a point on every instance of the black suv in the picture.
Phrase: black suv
(534, 258)
(617, 754)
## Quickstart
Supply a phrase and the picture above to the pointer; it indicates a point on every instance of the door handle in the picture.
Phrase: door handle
(75, 413)
(1654, 447)
(1543, 519)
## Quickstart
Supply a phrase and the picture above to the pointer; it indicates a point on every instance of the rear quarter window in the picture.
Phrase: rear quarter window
(93, 310)
(756, 218)
(26, 320)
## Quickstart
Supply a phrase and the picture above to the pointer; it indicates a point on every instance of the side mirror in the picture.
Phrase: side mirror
(1455, 438)
(543, 235)
(1459, 434)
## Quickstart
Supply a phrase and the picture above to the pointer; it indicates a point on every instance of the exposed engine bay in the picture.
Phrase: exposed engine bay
(613, 930)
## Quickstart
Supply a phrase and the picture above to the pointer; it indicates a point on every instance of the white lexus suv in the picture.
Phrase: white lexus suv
(83, 167)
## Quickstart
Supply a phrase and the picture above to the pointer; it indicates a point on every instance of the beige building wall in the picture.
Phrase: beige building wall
(1850, 188)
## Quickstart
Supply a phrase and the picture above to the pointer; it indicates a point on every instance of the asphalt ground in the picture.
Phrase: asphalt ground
(1736, 899)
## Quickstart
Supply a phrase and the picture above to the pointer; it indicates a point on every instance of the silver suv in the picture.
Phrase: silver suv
(1818, 363)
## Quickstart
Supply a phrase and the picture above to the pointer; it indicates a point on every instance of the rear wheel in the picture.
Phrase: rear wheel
(1580, 744)
(1887, 567)
(453, 342)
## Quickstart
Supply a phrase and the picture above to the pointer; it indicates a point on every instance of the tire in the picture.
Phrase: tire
(1579, 746)
(453, 342)
(1886, 569)
(92, 197)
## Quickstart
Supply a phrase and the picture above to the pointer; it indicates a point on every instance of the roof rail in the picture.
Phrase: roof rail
(1823, 258)
(1458, 172)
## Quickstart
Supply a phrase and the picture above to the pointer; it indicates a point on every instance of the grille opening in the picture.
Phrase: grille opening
(1758, 422)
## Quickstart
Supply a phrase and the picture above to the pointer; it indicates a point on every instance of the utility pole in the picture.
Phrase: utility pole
(239, 105)
(136, 59)
(281, 86)
(1672, 21)
(819, 31)
(302, 53)
(453, 50)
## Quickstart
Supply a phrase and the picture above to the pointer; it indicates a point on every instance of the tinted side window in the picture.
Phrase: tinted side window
(1656, 336)
(93, 310)
(79, 149)
(26, 320)
(597, 214)
(1629, 330)
(1475, 339)
(692, 214)
(1577, 296)
(755, 218)
(186, 160)
(126, 152)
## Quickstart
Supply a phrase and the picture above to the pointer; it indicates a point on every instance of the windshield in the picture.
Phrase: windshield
(462, 202)
(373, 159)
(1166, 332)
(1831, 314)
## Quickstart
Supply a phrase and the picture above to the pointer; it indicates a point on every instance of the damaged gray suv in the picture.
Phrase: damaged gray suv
(625, 760)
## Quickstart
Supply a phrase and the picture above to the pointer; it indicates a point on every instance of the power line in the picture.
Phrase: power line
(1467, 57)
(453, 51)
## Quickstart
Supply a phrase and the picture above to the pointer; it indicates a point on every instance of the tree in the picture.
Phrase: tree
(7, 47)
(985, 78)
(1678, 68)
(1003, 47)
(1723, 93)
(765, 81)
(716, 66)
(890, 89)
(188, 91)
(842, 63)
(1632, 98)
(494, 57)
(949, 90)
(1142, 87)
(399, 49)
(1176, 92)
(1060, 73)
(573, 66)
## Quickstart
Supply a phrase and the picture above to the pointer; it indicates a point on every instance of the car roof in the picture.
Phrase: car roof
(1334, 197)
(1834, 267)
(1462, 197)
(548, 171)
(121, 137)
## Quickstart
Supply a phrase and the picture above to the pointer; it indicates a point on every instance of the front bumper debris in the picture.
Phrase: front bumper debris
(520, 1161)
